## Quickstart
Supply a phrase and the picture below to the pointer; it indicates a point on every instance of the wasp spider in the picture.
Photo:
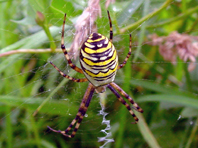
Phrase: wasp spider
(99, 63)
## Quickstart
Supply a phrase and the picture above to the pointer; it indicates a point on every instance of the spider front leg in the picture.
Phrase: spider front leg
(81, 112)
(67, 76)
(111, 39)
(128, 55)
(73, 66)
(111, 29)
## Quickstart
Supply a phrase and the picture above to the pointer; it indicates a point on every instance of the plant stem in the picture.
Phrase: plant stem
(192, 134)
(146, 132)
(136, 24)
(142, 125)
(9, 136)
(142, 31)
(52, 43)
(28, 51)
(187, 76)
(35, 130)
(181, 16)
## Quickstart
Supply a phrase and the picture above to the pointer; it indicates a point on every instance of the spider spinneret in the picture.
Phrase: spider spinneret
(99, 63)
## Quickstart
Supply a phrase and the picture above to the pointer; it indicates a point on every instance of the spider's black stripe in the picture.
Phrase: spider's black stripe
(104, 78)
(82, 111)
(102, 67)
(75, 129)
(96, 73)
(99, 67)
(105, 53)
(95, 36)
(99, 70)
(97, 55)
(90, 97)
(114, 91)
(121, 100)
(95, 43)
(97, 61)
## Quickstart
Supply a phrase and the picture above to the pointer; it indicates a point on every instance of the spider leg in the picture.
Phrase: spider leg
(67, 76)
(128, 55)
(124, 103)
(136, 107)
(81, 112)
(111, 39)
(73, 66)
(111, 30)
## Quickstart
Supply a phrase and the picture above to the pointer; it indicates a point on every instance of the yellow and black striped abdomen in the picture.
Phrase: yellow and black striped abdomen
(98, 59)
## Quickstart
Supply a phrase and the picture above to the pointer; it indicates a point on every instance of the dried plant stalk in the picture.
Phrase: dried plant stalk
(108, 3)
(85, 24)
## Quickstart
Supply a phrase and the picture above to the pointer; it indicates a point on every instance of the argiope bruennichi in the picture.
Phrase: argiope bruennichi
(99, 63)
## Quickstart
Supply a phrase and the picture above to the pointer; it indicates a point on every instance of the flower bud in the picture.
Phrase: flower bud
(40, 18)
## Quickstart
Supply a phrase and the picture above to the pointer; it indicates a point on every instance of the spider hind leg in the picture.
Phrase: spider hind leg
(80, 115)
(112, 86)
(122, 92)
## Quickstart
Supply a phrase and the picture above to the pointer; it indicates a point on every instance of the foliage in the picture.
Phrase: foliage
(166, 92)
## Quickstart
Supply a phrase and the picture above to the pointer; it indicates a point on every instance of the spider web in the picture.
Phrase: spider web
(24, 89)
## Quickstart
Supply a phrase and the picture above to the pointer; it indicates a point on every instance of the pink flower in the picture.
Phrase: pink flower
(176, 44)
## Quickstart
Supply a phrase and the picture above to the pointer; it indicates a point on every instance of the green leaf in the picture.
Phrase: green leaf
(131, 8)
(189, 112)
(160, 88)
(25, 21)
(53, 107)
(177, 99)
(32, 41)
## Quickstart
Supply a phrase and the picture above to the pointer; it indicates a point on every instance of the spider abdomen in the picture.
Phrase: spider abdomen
(98, 59)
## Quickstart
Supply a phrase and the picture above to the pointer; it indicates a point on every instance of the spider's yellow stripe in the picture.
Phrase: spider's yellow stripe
(89, 45)
(101, 74)
(88, 56)
(90, 40)
(100, 50)
(100, 63)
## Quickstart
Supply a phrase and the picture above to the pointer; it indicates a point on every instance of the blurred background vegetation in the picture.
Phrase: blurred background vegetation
(33, 95)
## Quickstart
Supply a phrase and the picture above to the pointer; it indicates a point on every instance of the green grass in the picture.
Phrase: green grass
(33, 95)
